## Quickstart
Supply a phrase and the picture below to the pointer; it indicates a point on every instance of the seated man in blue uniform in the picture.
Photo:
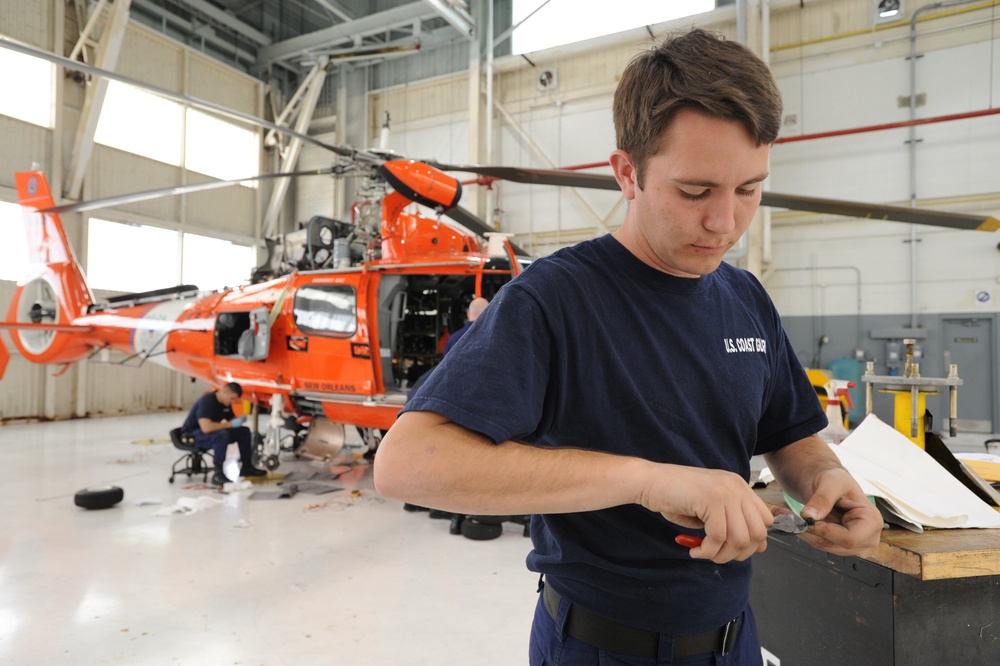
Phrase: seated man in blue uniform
(476, 308)
(622, 385)
(212, 425)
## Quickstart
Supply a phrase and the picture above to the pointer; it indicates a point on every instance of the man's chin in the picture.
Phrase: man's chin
(702, 266)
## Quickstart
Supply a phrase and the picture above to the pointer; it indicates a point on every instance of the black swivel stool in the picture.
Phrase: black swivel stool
(193, 460)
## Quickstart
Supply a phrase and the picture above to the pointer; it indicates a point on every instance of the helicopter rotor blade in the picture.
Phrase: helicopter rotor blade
(145, 195)
(871, 211)
(560, 177)
(934, 218)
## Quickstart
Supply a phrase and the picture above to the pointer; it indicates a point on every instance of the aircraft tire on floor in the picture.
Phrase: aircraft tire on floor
(99, 497)
(490, 520)
(477, 531)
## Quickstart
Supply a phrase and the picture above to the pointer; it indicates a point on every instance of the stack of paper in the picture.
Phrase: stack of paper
(907, 482)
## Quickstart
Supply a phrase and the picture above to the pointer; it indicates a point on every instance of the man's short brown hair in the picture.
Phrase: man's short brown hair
(696, 70)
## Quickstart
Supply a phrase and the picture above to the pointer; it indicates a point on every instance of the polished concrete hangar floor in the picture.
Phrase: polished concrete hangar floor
(314, 579)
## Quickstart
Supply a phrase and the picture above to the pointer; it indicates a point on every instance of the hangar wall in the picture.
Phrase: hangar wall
(28, 391)
(838, 69)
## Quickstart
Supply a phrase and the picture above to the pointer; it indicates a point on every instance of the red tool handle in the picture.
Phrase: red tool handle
(688, 541)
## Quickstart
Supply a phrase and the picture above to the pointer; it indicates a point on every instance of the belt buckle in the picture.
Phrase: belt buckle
(729, 633)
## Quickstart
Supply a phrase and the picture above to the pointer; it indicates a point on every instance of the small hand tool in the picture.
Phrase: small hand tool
(785, 523)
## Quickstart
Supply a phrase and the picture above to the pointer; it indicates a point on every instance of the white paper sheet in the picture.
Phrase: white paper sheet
(888, 465)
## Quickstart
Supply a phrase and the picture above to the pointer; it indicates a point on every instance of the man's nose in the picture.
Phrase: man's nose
(720, 216)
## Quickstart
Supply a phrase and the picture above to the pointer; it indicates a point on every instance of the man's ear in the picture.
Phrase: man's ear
(625, 172)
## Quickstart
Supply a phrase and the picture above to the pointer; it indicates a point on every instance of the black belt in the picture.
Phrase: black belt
(605, 634)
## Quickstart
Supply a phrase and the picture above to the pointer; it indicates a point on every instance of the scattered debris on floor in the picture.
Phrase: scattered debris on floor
(284, 491)
(188, 505)
(355, 497)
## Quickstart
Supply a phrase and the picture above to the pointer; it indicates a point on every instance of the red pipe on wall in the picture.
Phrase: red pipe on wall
(876, 128)
(817, 135)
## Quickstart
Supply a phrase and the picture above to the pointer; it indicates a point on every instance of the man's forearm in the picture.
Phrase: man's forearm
(797, 465)
(427, 460)
(207, 426)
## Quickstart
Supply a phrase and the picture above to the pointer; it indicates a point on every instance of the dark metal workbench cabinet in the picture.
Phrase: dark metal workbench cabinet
(931, 598)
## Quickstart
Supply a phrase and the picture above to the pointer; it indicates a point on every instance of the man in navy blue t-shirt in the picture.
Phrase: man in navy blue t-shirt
(622, 386)
(213, 426)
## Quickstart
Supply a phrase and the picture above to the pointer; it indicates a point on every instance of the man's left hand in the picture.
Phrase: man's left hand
(846, 522)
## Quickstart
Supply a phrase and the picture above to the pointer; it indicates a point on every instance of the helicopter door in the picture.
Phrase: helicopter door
(391, 306)
(245, 335)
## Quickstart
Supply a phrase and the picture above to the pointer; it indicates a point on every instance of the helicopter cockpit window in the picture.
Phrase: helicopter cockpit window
(326, 310)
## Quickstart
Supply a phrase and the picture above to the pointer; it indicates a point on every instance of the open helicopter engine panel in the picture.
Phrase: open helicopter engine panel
(418, 313)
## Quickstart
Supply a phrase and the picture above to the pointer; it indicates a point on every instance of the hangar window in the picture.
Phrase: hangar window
(549, 23)
(145, 124)
(14, 249)
(28, 82)
(213, 263)
(131, 258)
(326, 310)
(140, 122)
(220, 149)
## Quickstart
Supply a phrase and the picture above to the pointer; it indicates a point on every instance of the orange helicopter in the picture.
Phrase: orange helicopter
(363, 312)
(340, 319)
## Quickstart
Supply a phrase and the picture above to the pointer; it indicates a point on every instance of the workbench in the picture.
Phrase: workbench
(931, 598)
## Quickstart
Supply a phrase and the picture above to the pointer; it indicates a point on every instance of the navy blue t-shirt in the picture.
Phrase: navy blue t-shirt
(455, 337)
(590, 348)
(206, 407)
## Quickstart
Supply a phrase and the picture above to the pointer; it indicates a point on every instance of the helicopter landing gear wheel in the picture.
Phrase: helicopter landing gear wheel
(271, 462)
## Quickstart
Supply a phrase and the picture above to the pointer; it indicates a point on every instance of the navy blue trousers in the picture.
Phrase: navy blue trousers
(220, 440)
(549, 646)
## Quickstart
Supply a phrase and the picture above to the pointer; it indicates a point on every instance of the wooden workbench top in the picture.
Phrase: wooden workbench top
(933, 555)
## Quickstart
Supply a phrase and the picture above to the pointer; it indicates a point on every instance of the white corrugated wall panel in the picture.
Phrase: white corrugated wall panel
(114, 389)
(152, 58)
(28, 22)
(229, 210)
(23, 144)
(213, 82)
(114, 172)
(315, 195)
(412, 103)
(22, 388)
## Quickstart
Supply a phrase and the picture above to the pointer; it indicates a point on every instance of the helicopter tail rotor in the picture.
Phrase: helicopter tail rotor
(55, 292)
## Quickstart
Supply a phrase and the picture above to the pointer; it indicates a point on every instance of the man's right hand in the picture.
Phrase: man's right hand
(734, 518)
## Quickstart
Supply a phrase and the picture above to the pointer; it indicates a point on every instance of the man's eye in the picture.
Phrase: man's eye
(694, 197)
(744, 192)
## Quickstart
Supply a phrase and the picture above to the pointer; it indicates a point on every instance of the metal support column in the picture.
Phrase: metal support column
(313, 85)
(108, 49)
